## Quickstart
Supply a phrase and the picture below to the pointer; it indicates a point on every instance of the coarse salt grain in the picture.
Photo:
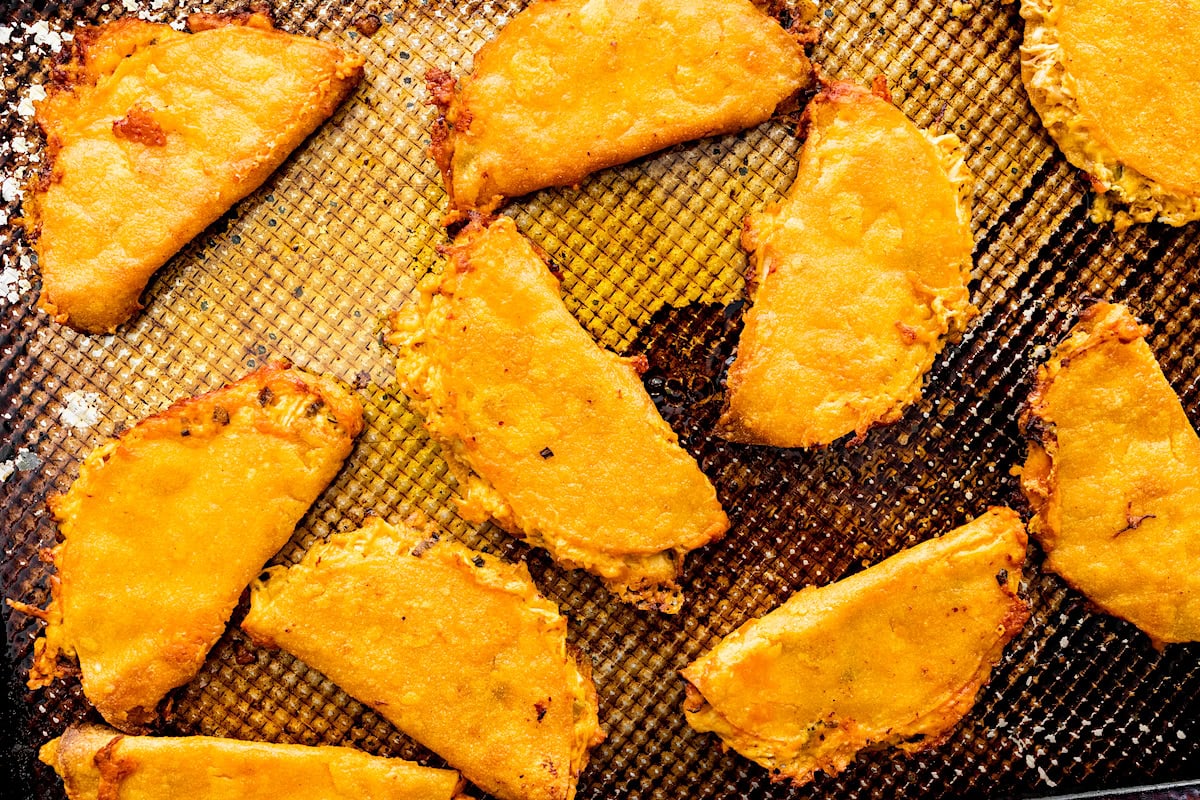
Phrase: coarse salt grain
(10, 190)
(80, 409)
(9, 280)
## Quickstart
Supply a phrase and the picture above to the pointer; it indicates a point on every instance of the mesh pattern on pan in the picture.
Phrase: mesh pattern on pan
(309, 265)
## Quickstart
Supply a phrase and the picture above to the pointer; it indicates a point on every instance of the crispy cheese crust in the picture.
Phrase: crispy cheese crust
(96, 763)
(1117, 85)
(637, 76)
(859, 277)
(151, 135)
(549, 434)
(455, 647)
(1113, 474)
(890, 657)
(167, 524)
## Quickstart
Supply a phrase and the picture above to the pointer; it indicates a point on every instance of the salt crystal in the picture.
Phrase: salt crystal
(8, 285)
(7, 468)
(80, 409)
(25, 460)
(10, 190)
(130, 5)
(5, 34)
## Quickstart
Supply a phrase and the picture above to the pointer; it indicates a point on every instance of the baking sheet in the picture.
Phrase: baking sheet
(309, 266)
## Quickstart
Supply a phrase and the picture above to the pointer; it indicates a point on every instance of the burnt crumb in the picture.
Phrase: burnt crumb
(424, 545)
(265, 396)
(1132, 521)
(477, 561)
(546, 452)
(314, 408)
(367, 25)
(440, 85)
(1002, 577)
(139, 125)
(220, 415)
(541, 708)
(1037, 429)
(640, 364)
(362, 379)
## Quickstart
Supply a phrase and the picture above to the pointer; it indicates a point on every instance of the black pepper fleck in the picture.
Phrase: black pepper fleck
(1002, 577)
(477, 561)
(265, 396)
(220, 415)
(547, 453)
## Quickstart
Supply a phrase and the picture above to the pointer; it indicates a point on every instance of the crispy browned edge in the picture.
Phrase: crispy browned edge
(443, 94)
(257, 386)
(831, 91)
(1039, 474)
(1014, 620)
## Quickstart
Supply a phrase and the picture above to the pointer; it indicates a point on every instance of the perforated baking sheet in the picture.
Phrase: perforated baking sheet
(308, 266)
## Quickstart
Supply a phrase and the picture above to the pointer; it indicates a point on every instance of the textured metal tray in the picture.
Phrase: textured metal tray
(309, 265)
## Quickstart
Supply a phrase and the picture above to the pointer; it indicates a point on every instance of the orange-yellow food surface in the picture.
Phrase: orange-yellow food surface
(96, 763)
(167, 524)
(1117, 85)
(572, 86)
(1113, 474)
(858, 277)
(1137, 76)
(891, 656)
(455, 647)
(548, 433)
(153, 134)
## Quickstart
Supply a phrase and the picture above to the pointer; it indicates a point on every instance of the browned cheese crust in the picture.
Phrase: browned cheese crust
(858, 277)
(890, 657)
(636, 76)
(548, 433)
(1113, 474)
(151, 135)
(96, 763)
(167, 524)
(453, 646)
